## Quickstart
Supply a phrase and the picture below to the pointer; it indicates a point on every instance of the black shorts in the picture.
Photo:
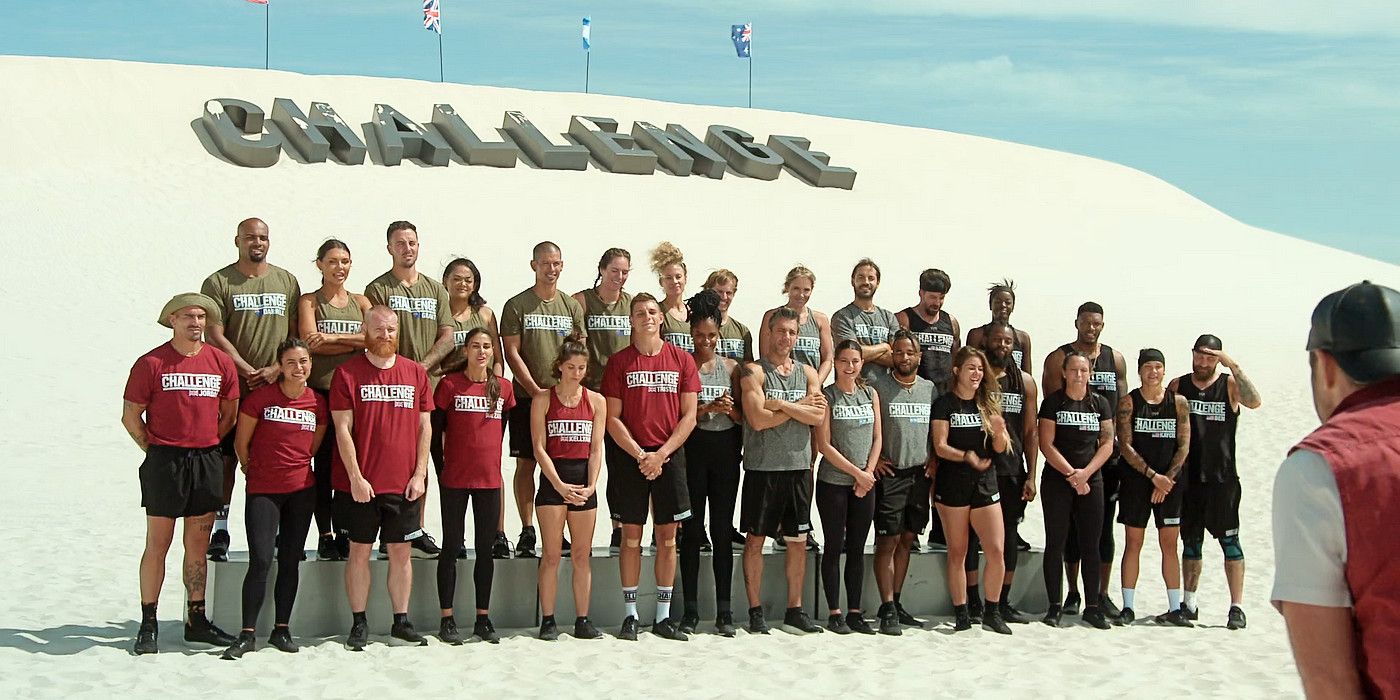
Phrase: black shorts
(957, 485)
(1135, 504)
(1012, 505)
(631, 496)
(521, 447)
(901, 502)
(573, 472)
(1210, 507)
(389, 517)
(776, 504)
(182, 482)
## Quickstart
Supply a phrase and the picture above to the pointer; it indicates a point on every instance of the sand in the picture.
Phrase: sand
(111, 204)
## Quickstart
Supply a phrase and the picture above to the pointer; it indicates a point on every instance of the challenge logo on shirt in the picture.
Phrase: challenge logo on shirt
(291, 416)
(1081, 419)
(200, 385)
(912, 412)
(401, 395)
(1013, 403)
(620, 325)
(570, 430)
(477, 404)
(732, 348)
(964, 420)
(419, 307)
(269, 304)
(1156, 427)
(656, 382)
(936, 342)
(680, 340)
(861, 413)
(871, 335)
(790, 395)
(339, 327)
(1016, 355)
(711, 392)
(1104, 381)
(563, 325)
(807, 344)
(1210, 410)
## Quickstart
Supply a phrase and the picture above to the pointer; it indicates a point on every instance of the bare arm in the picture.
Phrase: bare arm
(498, 358)
(243, 438)
(1242, 391)
(214, 333)
(441, 348)
(134, 423)
(228, 415)
(941, 446)
(539, 408)
(827, 345)
(1120, 367)
(878, 443)
(521, 372)
(1025, 351)
(418, 484)
(822, 436)
(684, 426)
(1052, 454)
(1105, 450)
(595, 451)
(618, 430)
(758, 416)
(1324, 649)
(957, 334)
(763, 331)
(360, 488)
(1052, 379)
(974, 337)
(1125, 437)
(1183, 437)
(812, 408)
(1030, 443)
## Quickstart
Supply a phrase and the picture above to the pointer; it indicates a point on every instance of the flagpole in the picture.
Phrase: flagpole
(267, 35)
(587, 68)
(750, 73)
(441, 78)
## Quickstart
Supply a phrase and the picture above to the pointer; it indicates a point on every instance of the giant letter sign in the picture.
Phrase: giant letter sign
(617, 152)
(322, 134)
(746, 157)
(400, 137)
(468, 145)
(228, 121)
(812, 166)
(545, 154)
(679, 150)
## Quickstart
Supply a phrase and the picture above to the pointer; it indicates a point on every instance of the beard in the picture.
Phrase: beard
(1001, 362)
(383, 348)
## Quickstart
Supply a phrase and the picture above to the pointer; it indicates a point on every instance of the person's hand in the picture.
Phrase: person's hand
(243, 466)
(315, 340)
(539, 391)
(266, 375)
(723, 404)
(1074, 478)
(864, 482)
(360, 490)
(978, 462)
(813, 400)
(1163, 483)
(417, 486)
(650, 464)
(883, 468)
(584, 493)
(773, 404)
(1225, 359)
(997, 424)
(1028, 491)
(1082, 489)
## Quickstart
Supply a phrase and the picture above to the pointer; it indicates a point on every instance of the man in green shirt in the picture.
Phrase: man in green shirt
(534, 324)
(256, 309)
(425, 323)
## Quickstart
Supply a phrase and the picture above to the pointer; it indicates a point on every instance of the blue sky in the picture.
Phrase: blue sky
(1282, 113)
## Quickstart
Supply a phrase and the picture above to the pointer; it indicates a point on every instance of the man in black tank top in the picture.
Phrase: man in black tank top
(1108, 377)
(1212, 501)
(937, 332)
(1001, 299)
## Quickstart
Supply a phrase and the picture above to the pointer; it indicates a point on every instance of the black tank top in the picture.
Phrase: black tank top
(1154, 430)
(1212, 456)
(1013, 407)
(936, 343)
(1103, 376)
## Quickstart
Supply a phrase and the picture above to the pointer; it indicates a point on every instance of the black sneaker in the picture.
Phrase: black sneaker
(461, 553)
(500, 549)
(1109, 609)
(757, 623)
(549, 630)
(796, 621)
(905, 618)
(281, 640)
(736, 537)
(342, 544)
(525, 547)
(812, 545)
(779, 544)
(1236, 621)
(1071, 605)
(666, 629)
(383, 550)
(889, 620)
(326, 549)
(629, 629)
(705, 545)
(974, 611)
(1010, 614)
(403, 634)
(991, 619)
(837, 623)
(1126, 616)
(564, 547)
(218, 547)
(485, 631)
(935, 544)
(359, 636)
(690, 621)
(1175, 618)
(584, 629)
(146, 639)
(857, 623)
(1021, 544)
(1052, 616)
(1093, 617)
(724, 624)
(425, 547)
(200, 630)
(615, 543)
(1190, 614)
(961, 619)
(244, 644)
(447, 631)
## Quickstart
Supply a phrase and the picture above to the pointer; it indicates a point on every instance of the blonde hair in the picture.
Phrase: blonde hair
(720, 276)
(664, 255)
(797, 272)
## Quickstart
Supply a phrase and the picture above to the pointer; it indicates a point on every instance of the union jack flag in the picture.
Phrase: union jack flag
(432, 16)
(742, 34)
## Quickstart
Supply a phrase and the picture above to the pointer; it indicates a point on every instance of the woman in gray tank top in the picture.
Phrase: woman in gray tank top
(814, 341)
(849, 442)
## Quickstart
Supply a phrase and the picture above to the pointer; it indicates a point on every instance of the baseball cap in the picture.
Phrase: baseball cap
(187, 299)
(1208, 342)
(1360, 327)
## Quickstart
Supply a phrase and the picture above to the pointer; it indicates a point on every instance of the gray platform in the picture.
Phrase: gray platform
(321, 609)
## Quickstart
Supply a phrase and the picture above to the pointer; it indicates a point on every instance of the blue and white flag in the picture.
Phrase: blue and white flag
(432, 16)
(742, 34)
(586, 24)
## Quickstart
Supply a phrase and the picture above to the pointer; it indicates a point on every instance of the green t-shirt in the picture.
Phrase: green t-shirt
(609, 328)
(257, 313)
(422, 308)
(542, 327)
(735, 341)
(331, 319)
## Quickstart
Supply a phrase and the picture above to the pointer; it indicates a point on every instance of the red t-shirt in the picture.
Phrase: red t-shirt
(182, 394)
(568, 432)
(650, 388)
(386, 405)
(471, 440)
(281, 444)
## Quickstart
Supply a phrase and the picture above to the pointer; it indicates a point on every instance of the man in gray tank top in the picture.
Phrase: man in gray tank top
(782, 401)
(863, 321)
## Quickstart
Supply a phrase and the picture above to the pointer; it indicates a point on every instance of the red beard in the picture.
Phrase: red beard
(383, 348)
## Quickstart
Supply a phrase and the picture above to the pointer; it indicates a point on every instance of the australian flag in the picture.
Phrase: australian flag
(432, 16)
(742, 34)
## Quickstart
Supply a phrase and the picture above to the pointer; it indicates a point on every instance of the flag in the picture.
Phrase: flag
(742, 34)
(258, 2)
(432, 16)
(586, 24)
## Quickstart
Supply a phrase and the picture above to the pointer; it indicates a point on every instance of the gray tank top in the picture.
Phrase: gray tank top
(713, 384)
(808, 349)
(786, 447)
(904, 423)
(852, 431)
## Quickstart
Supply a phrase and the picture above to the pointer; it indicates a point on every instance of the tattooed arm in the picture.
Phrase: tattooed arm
(1124, 421)
(1183, 437)
(1242, 391)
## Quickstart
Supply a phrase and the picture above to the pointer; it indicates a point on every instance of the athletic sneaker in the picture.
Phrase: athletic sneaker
(1071, 605)
(1236, 621)
(461, 553)
(359, 636)
(146, 639)
(549, 630)
(326, 549)
(218, 546)
(1191, 614)
(447, 631)
(935, 544)
(724, 624)
(666, 629)
(244, 644)
(856, 623)
(905, 618)
(1010, 614)
(629, 629)
(405, 635)
(992, 622)
(485, 631)
(201, 631)
(425, 546)
(961, 619)
(974, 610)
(889, 620)
(705, 545)
(837, 623)
(1052, 616)
(525, 547)
(500, 549)
(584, 629)
(1176, 618)
(757, 623)
(281, 640)
(383, 550)
(615, 543)
(342, 544)
(736, 537)
(1126, 616)
(690, 621)
(1093, 616)
(797, 619)
(1110, 610)
(779, 544)
(812, 545)
(564, 547)
(1021, 544)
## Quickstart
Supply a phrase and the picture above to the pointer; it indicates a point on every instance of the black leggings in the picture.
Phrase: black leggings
(846, 522)
(1112, 480)
(322, 465)
(1012, 510)
(266, 516)
(1063, 507)
(454, 523)
(711, 474)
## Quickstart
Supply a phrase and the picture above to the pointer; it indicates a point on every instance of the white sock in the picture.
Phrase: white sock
(629, 599)
(1189, 600)
(221, 519)
(1128, 598)
(1173, 599)
(663, 602)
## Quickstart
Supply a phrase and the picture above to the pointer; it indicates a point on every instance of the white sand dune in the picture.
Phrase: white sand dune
(110, 204)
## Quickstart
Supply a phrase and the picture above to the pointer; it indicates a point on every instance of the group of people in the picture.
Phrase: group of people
(882, 419)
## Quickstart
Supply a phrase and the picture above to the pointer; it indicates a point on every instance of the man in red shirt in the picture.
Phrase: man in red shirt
(651, 387)
(187, 392)
(380, 404)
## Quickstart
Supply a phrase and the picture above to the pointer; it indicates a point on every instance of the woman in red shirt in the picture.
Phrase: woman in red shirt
(280, 427)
